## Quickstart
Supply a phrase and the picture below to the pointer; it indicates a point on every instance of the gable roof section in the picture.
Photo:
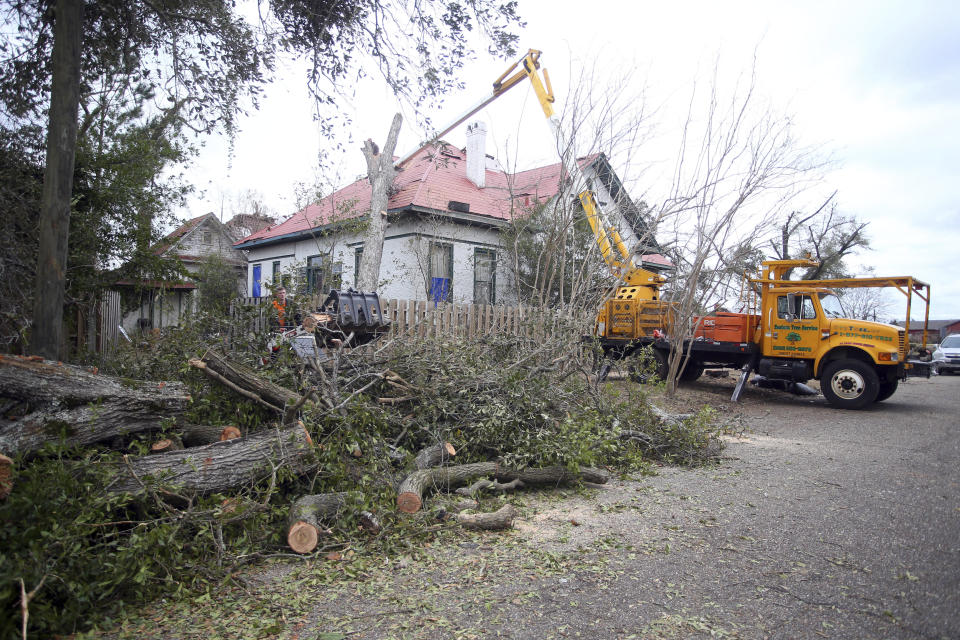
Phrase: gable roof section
(174, 236)
(430, 181)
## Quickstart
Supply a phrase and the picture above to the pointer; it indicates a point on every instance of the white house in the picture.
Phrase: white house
(446, 212)
(162, 303)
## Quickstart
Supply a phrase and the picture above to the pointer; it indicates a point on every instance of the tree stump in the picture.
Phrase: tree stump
(304, 520)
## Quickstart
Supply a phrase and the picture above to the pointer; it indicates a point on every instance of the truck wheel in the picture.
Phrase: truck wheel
(647, 365)
(887, 389)
(691, 372)
(849, 384)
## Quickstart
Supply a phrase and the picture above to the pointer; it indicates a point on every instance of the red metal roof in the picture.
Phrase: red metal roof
(431, 179)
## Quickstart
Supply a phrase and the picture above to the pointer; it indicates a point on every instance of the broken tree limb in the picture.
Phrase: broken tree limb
(434, 455)
(245, 381)
(497, 520)
(380, 173)
(81, 406)
(219, 466)
(482, 484)
(410, 493)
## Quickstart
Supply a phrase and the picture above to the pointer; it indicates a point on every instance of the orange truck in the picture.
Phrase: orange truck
(792, 331)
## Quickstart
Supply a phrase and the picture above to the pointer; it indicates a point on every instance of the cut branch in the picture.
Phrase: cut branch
(221, 465)
(497, 520)
(434, 455)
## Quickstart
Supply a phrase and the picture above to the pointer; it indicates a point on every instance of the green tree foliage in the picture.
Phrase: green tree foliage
(217, 285)
(150, 72)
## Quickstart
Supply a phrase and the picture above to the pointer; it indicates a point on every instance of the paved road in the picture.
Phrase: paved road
(820, 524)
(824, 524)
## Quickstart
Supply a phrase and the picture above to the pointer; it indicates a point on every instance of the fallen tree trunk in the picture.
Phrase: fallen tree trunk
(410, 493)
(555, 476)
(497, 520)
(434, 455)
(245, 381)
(218, 466)
(307, 514)
(79, 405)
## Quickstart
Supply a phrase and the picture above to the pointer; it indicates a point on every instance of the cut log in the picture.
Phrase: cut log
(497, 520)
(304, 520)
(6, 476)
(219, 466)
(434, 455)
(230, 432)
(410, 493)
(245, 381)
(166, 444)
(81, 406)
(555, 476)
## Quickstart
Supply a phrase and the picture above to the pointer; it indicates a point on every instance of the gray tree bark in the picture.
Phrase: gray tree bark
(219, 466)
(381, 173)
(411, 490)
(47, 331)
(82, 406)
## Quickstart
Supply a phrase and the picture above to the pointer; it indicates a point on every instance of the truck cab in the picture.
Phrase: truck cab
(804, 335)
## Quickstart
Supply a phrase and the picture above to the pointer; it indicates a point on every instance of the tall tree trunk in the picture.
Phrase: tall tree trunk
(380, 173)
(58, 180)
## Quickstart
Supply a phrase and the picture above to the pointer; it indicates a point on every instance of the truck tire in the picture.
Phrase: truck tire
(691, 372)
(887, 389)
(849, 384)
(647, 365)
(663, 367)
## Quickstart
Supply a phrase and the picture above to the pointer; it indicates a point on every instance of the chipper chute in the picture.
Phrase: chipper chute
(347, 312)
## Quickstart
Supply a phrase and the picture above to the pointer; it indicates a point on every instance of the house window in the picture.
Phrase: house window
(275, 274)
(357, 254)
(207, 237)
(440, 282)
(484, 276)
(315, 279)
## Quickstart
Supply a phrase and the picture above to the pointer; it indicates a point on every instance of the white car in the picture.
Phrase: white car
(946, 357)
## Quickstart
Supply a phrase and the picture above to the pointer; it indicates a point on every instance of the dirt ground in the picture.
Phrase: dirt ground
(818, 523)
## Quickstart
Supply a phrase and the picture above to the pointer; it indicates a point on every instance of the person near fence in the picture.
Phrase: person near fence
(284, 313)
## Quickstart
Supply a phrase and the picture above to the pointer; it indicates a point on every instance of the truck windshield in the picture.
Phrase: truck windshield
(951, 342)
(831, 306)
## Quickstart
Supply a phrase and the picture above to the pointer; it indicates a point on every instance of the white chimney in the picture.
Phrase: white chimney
(477, 153)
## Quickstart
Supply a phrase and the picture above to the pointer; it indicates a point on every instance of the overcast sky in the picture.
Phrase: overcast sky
(876, 84)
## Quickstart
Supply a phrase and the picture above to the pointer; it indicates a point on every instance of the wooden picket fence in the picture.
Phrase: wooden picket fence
(423, 318)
